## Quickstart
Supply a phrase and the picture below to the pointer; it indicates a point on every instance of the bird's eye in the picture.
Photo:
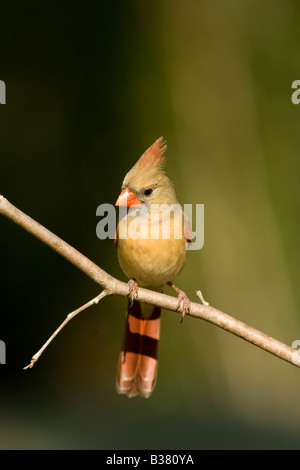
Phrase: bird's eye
(148, 191)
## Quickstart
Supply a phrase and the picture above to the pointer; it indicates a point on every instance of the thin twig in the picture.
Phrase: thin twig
(69, 317)
(116, 287)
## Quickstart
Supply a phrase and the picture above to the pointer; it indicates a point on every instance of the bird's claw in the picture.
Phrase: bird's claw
(185, 303)
(133, 291)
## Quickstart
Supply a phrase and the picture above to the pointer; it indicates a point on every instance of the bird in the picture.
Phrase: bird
(151, 241)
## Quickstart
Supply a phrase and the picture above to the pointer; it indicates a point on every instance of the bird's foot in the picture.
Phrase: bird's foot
(133, 290)
(183, 301)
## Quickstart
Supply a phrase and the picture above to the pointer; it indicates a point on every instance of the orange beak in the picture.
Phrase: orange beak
(128, 199)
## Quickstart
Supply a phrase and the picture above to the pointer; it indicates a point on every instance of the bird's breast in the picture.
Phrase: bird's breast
(148, 254)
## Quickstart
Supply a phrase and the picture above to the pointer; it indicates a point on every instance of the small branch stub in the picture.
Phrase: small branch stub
(199, 294)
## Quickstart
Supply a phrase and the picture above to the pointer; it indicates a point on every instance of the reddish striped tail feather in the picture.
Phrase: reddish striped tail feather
(137, 366)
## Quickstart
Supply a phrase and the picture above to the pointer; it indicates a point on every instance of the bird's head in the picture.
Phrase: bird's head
(146, 183)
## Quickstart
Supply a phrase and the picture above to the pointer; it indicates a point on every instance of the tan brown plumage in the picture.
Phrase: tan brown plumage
(149, 262)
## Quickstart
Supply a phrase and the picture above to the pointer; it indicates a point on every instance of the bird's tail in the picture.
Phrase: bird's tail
(137, 366)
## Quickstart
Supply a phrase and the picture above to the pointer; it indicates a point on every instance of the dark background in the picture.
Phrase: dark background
(90, 85)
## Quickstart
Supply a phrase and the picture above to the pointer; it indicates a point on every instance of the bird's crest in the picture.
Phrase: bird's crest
(153, 157)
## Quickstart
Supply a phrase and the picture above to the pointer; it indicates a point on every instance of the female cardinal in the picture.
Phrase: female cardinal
(150, 259)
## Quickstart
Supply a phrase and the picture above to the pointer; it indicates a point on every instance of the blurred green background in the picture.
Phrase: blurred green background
(90, 85)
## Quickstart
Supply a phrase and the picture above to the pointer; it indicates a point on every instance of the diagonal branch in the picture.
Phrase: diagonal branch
(113, 286)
